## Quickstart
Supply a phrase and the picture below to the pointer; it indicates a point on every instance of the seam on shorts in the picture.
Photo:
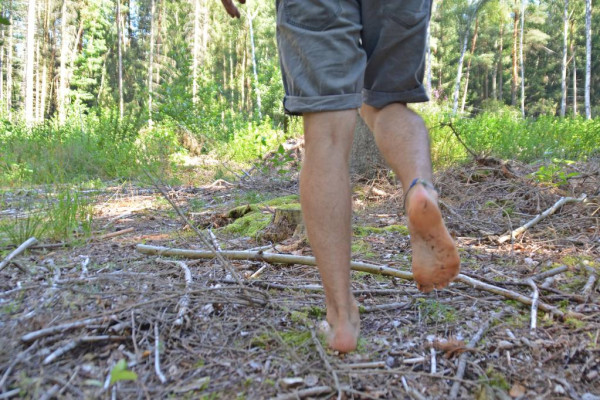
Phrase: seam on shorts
(382, 99)
(297, 105)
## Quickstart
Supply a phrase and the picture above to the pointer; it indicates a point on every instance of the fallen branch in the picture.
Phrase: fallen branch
(300, 394)
(462, 360)
(534, 303)
(589, 285)
(159, 373)
(113, 234)
(550, 273)
(562, 201)
(28, 243)
(185, 299)
(323, 356)
(73, 344)
(354, 265)
(30, 337)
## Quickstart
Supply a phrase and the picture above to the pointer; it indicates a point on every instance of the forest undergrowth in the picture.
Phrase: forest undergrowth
(85, 314)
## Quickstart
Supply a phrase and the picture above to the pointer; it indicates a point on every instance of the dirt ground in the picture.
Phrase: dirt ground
(242, 329)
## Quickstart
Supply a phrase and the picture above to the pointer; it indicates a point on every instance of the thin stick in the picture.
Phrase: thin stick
(364, 365)
(562, 201)
(550, 273)
(300, 394)
(30, 337)
(185, 300)
(411, 392)
(113, 234)
(462, 360)
(29, 242)
(323, 356)
(534, 304)
(589, 285)
(73, 344)
(354, 265)
(9, 394)
(159, 373)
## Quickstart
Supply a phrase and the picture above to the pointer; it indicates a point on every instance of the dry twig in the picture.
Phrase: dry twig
(534, 303)
(159, 373)
(73, 344)
(355, 265)
(300, 394)
(185, 299)
(31, 336)
(28, 243)
(323, 356)
(562, 201)
(462, 360)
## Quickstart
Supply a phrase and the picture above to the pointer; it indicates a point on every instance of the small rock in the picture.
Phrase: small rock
(558, 389)
(390, 361)
(311, 380)
(505, 344)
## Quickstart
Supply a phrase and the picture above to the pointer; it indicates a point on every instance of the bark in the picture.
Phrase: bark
(256, 88)
(515, 69)
(196, 51)
(365, 159)
(461, 60)
(588, 57)
(563, 67)
(9, 65)
(64, 49)
(572, 46)
(30, 64)
(501, 65)
(151, 62)
(522, 61)
(120, 56)
(468, 73)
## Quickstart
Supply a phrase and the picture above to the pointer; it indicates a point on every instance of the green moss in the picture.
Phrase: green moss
(280, 201)
(575, 323)
(432, 311)
(497, 379)
(362, 231)
(248, 225)
(362, 248)
(299, 317)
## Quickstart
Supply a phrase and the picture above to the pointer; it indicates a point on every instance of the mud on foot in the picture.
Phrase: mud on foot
(435, 260)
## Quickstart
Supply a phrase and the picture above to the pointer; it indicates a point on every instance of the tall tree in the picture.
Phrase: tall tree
(30, 64)
(588, 57)
(120, 58)
(563, 67)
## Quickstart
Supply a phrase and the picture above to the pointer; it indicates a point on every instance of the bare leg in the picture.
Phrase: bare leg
(403, 141)
(327, 207)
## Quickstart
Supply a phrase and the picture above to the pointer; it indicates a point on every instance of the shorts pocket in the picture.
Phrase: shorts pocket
(313, 15)
(408, 12)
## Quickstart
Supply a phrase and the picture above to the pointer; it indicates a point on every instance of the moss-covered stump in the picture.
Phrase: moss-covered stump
(287, 222)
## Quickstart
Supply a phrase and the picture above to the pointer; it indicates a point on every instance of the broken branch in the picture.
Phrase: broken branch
(29, 242)
(562, 201)
(354, 265)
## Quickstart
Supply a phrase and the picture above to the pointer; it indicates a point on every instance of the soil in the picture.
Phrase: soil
(69, 314)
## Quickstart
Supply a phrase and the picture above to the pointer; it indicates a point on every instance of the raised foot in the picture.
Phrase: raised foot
(342, 333)
(435, 260)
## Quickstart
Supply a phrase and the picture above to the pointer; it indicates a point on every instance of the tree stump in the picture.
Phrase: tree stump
(365, 159)
(287, 222)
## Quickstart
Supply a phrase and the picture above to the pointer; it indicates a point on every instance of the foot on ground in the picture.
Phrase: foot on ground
(342, 333)
(435, 260)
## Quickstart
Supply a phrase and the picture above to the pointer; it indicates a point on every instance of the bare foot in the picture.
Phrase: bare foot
(435, 260)
(342, 333)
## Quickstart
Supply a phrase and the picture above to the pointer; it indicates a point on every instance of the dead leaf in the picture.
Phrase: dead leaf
(517, 390)
(451, 347)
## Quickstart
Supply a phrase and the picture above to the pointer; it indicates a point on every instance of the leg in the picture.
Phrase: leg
(403, 141)
(327, 207)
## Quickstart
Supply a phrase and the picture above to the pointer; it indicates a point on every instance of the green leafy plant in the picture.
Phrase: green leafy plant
(120, 373)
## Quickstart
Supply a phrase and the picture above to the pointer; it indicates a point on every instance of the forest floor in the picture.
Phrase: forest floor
(69, 314)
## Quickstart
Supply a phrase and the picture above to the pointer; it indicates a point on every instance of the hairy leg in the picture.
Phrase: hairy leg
(327, 207)
(403, 141)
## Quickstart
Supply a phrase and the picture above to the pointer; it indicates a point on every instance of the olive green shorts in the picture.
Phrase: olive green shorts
(337, 54)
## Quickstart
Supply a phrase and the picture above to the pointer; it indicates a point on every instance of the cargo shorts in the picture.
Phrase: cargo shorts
(338, 54)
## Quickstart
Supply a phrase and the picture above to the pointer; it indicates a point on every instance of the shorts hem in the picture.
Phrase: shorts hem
(296, 105)
(382, 99)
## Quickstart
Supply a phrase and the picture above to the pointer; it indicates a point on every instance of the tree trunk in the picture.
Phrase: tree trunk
(501, 65)
(9, 64)
(588, 57)
(120, 55)
(572, 47)
(563, 66)
(365, 159)
(461, 59)
(473, 44)
(521, 60)
(29, 65)
(64, 49)
(151, 62)
(515, 70)
(256, 88)
(196, 51)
